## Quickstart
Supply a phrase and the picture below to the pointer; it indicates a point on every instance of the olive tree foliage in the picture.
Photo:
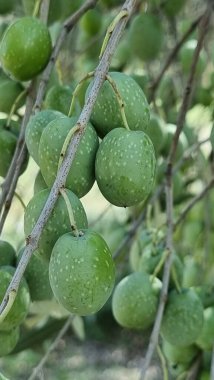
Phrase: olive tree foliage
(109, 103)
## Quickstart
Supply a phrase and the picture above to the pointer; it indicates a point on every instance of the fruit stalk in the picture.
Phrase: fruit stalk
(14, 106)
(76, 92)
(163, 363)
(99, 77)
(70, 212)
(169, 194)
(120, 101)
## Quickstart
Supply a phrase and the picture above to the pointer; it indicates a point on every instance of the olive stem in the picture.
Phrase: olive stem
(160, 264)
(10, 301)
(123, 13)
(70, 212)
(66, 143)
(15, 104)
(20, 200)
(163, 363)
(77, 90)
(120, 101)
(175, 279)
(36, 8)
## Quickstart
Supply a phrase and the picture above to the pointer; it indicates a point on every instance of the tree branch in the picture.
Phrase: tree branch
(52, 347)
(99, 77)
(172, 56)
(169, 197)
(195, 200)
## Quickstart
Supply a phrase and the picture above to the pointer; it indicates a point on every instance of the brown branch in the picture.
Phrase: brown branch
(172, 56)
(99, 78)
(169, 198)
(8, 188)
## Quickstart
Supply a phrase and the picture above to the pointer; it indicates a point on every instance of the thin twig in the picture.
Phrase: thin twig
(44, 10)
(188, 90)
(67, 27)
(6, 186)
(169, 197)
(11, 179)
(52, 347)
(99, 78)
(195, 200)
(172, 56)
(195, 368)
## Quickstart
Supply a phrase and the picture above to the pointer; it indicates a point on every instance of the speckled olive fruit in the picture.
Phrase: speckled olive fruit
(186, 58)
(182, 142)
(135, 301)
(58, 222)
(9, 92)
(8, 140)
(82, 272)
(19, 310)
(81, 176)
(146, 36)
(156, 131)
(125, 167)
(39, 183)
(183, 318)
(59, 98)
(206, 337)
(172, 8)
(34, 130)
(106, 112)
(176, 354)
(7, 254)
(37, 277)
(25, 48)
(9, 340)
